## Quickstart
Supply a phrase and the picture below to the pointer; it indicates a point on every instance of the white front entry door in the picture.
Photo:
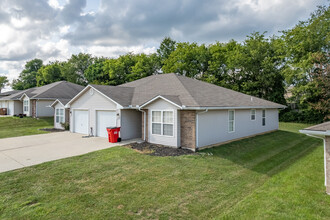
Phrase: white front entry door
(104, 119)
(80, 118)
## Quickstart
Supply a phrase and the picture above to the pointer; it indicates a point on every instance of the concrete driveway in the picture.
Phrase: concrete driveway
(18, 152)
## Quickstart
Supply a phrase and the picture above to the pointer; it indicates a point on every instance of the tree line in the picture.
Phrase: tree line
(295, 62)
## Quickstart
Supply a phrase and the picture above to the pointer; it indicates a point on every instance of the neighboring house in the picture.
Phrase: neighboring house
(36, 101)
(3, 94)
(172, 110)
(322, 131)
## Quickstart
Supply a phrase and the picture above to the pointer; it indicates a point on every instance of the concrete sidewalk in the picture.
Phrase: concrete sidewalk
(18, 152)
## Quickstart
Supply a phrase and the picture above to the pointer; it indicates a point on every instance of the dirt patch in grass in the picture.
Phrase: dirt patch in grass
(51, 129)
(158, 150)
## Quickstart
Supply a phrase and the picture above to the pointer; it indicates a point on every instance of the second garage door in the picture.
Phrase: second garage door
(104, 119)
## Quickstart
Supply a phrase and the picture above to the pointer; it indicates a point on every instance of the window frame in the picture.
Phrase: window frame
(162, 122)
(231, 110)
(59, 116)
(25, 105)
(255, 114)
(263, 117)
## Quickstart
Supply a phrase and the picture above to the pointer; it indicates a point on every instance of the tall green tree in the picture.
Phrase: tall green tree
(95, 73)
(49, 74)
(144, 66)
(27, 78)
(189, 59)
(307, 40)
(119, 69)
(74, 69)
(166, 47)
(3, 82)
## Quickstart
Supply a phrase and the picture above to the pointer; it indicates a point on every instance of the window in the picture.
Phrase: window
(231, 120)
(59, 115)
(162, 122)
(25, 105)
(253, 114)
(263, 117)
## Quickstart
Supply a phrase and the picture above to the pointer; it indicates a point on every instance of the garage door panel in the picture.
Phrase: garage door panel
(104, 119)
(80, 118)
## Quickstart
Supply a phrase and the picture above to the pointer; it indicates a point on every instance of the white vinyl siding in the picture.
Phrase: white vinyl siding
(168, 125)
(264, 117)
(212, 126)
(59, 115)
(253, 114)
(231, 121)
(162, 123)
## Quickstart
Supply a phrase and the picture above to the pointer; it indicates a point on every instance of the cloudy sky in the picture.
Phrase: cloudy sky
(55, 29)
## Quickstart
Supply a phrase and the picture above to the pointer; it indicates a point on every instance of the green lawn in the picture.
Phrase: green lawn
(14, 126)
(273, 176)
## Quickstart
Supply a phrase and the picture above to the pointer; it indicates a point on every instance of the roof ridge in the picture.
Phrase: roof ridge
(177, 76)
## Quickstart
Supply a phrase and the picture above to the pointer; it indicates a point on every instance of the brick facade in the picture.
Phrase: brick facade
(327, 152)
(34, 108)
(146, 110)
(188, 129)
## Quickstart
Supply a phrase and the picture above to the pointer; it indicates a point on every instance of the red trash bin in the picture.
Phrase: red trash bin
(113, 134)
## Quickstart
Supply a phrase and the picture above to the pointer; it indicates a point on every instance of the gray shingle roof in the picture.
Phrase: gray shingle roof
(320, 127)
(121, 95)
(8, 93)
(53, 91)
(191, 93)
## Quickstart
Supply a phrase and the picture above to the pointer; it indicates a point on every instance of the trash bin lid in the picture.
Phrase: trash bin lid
(111, 127)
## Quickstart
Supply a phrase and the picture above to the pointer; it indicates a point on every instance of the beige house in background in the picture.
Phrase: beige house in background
(172, 110)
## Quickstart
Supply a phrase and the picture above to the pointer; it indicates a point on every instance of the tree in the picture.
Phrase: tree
(95, 73)
(49, 74)
(3, 82)
(189, 59)
(74, 69)
(304, 42)
(119, 69)
(27, 78)
(146, 65)
(166, 47)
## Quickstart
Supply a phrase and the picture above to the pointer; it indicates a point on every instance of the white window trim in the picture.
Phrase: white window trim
(60, 116)
(255, 114)
(162, 123)
(26, 104)
(263, 117)
(233, 121)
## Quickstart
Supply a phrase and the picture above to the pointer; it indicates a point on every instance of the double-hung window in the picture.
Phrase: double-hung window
(263, 117)
(59, 114)
(25, 105)
(231, 120)
(253, 114)
(162, 122)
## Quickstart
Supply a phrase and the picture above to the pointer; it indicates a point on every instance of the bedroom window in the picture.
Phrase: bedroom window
(231, 120)
(25, 105)
(162, 123)
(59, 115)
(263, 117)
(253, 114)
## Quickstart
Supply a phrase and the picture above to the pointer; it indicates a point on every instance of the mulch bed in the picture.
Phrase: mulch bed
(51, 129)
(159, 150)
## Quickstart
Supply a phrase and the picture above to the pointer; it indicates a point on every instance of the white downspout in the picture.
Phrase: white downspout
(198, 113)
(325, 163)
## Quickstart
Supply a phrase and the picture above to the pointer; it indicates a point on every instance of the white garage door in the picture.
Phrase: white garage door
(104, 119)
(80, 118)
